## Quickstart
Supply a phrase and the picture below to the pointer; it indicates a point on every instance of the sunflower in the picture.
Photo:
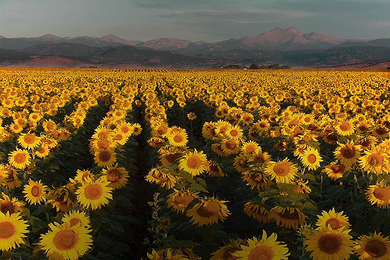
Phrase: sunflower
(12, 230)
(179, 200)
(28, 141)
(9, 176)
(250, 147)
(261, 157)
(258, 212)
(156, 142)
(375, 161)
(102, 144)
(165, 254)
(94, 193)
(217, 148)
(16, 128)
(282, 171)
(10, 205)
(333, 220)
(226, 252)
(101, 133)
(61, 199)
(267, 248)
(162, 178)
(381, 132)
(257, 179)
(208, 212)
(374, 246)
(311, 158)
(213, 169)
(76, 217)
(194, 163)
(286, 216)
(116, 176)
(66, 241)
(42, 151)
(302, 187)
(329, 244)
(348, 154)
(120, 137)
(19, 159)
(233, 132)
(81, 176)
(177, 137)
(241, 162)
(230, 146)
(335, 170)
(169, 156)
(379, 194)
(105, 158)
(345, 128)
(34, 192)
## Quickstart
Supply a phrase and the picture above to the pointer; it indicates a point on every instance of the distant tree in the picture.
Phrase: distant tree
(274, 66)
(254, 67)
(232, 66)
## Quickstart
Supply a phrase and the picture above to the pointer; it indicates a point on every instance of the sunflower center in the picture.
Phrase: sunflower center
(382, 193)
(29, 139)
(338, 168)
(178, 138)
(93, 191)
(35, 191)
(65, 240)
(104, 156)
(112, 177)
(334, 223)
(75, 221)
(183, 200)
(250, 148)
(103, 144)
(194, 162)
(345, 127)
(375, 159)
(261, 253)
(227, 255)
(7, 230)
(347, 152)
(7, 206)
(20, 158)
(103, 135)
(375, 248)
(281, 169)
(311, 158)
(234, 133)
(329, 244)
(209, 209)
(171, 158)
(381, 131)
(231, 145)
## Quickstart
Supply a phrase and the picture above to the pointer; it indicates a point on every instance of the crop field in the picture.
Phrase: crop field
(194, 164)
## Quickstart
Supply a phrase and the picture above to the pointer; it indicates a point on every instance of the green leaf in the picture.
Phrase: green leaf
(187, 176)
(6, 255)
(198, 187)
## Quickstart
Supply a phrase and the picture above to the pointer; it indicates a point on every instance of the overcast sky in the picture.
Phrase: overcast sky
(206, 20)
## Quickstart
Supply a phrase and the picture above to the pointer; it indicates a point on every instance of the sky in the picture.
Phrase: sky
(193, 20)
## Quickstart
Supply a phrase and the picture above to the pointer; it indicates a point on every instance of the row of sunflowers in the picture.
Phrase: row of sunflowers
(194, 164)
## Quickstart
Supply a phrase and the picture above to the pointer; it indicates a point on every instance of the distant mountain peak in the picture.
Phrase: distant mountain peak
(49, 37)
(111, 38)
(292, 29)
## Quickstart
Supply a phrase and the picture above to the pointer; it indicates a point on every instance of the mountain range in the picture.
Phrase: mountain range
(283, 46)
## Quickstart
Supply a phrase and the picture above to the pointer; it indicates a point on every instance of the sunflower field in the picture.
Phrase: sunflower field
(194, 164)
